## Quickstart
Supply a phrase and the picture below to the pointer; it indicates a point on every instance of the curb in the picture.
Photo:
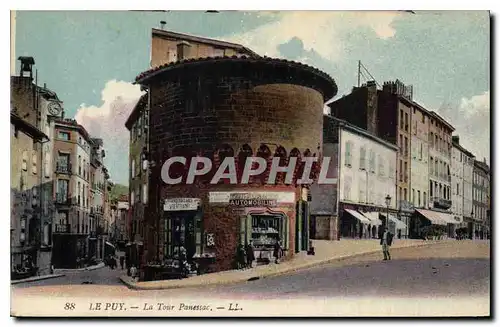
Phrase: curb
(98, 266)
(36, 279)
(133, 285)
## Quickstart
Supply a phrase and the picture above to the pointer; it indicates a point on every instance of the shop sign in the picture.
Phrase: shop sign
(181, 204)
(252, 200)
(272, 198)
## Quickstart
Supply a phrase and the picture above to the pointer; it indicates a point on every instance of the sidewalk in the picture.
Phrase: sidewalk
(326, 251)
(98, 266)
(35, 278)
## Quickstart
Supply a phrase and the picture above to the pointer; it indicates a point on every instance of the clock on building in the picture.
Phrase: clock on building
(54, 108)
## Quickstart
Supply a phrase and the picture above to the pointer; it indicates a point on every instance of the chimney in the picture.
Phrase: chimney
(183, 50)
(455, 139)
(162, 24)
(26, 66)
(44, 85)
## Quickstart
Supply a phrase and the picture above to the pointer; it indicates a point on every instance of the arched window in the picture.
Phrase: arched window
(283, 161)
(244, 152)
(295, 153)
(265, 153)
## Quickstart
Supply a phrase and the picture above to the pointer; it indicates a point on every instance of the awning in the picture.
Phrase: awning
(373, 216)
(438, 218)
(358, 216)
(399, 224)
(107, 243)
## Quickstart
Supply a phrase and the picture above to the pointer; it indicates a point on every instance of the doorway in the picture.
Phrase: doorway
(180, 231)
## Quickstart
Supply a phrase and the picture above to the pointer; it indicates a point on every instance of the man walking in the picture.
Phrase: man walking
(386, 242)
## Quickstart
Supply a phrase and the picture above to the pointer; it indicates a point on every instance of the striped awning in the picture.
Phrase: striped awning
(438, 218)
(358, 216)
(399, 224)
(373, 216)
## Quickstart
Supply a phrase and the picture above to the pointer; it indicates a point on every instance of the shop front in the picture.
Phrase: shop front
(264, 219)
(183, 226)
(435, 224)
(366, 222)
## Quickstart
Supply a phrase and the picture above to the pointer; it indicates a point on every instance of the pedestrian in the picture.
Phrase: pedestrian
(250, 254)
(277, 252)
(122, 261)
(133, 272)
(386, 242)
(240, 257)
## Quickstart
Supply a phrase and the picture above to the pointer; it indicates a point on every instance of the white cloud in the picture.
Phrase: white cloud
(107, 121)
(471, 119)
(322, 31)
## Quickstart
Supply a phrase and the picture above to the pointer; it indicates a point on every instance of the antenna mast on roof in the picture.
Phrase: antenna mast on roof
(363, 72)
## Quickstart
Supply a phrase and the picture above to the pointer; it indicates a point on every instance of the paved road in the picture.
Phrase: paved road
(452, 269)
(101, 276)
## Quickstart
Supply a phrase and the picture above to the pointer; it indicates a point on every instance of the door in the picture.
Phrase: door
(183, 233)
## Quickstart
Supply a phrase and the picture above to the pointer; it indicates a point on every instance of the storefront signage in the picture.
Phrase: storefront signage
(252, 200)
(180, 204)
(271, 198)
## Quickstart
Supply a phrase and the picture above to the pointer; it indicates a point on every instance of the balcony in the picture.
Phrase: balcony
(441, 203)
(63, 200)
(62, 228)
(64, 168)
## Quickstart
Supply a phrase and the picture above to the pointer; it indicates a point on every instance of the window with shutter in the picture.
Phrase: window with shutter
(33, 162)
(25, 161)
(47, 164)
(362, 158)
(372, 161)
(348, 150)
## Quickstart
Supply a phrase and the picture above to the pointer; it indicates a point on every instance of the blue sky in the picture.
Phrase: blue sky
(90, 58)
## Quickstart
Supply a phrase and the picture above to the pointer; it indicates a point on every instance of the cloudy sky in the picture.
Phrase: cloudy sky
(90, 59)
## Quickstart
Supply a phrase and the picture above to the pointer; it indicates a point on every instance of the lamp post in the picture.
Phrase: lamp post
(387, 203)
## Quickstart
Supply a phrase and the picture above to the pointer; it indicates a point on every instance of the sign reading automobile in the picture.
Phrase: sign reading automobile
(252, 200)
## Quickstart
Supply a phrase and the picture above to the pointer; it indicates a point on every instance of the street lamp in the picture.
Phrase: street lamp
(387, 203)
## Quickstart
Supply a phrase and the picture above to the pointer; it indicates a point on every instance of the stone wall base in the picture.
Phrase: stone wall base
(327, 228)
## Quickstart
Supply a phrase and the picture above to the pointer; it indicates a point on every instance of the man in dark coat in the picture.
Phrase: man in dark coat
(386, 242)
(250, 255)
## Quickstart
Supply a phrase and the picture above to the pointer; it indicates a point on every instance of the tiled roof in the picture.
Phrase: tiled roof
(157, 70)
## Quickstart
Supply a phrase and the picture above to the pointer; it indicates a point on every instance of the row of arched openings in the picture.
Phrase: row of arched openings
(223, 151)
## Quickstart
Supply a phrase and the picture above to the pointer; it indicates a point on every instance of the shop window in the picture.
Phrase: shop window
(266, 230)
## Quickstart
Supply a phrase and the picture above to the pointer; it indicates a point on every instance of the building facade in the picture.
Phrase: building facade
(119, 229)
(462, 164)
(227, 95)
(366, 182)
(37, 106)
(168, 47)
(385, 113)
(138, 124)
(419, 173)
(480, 194)
(98, 191)
(24, 183)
